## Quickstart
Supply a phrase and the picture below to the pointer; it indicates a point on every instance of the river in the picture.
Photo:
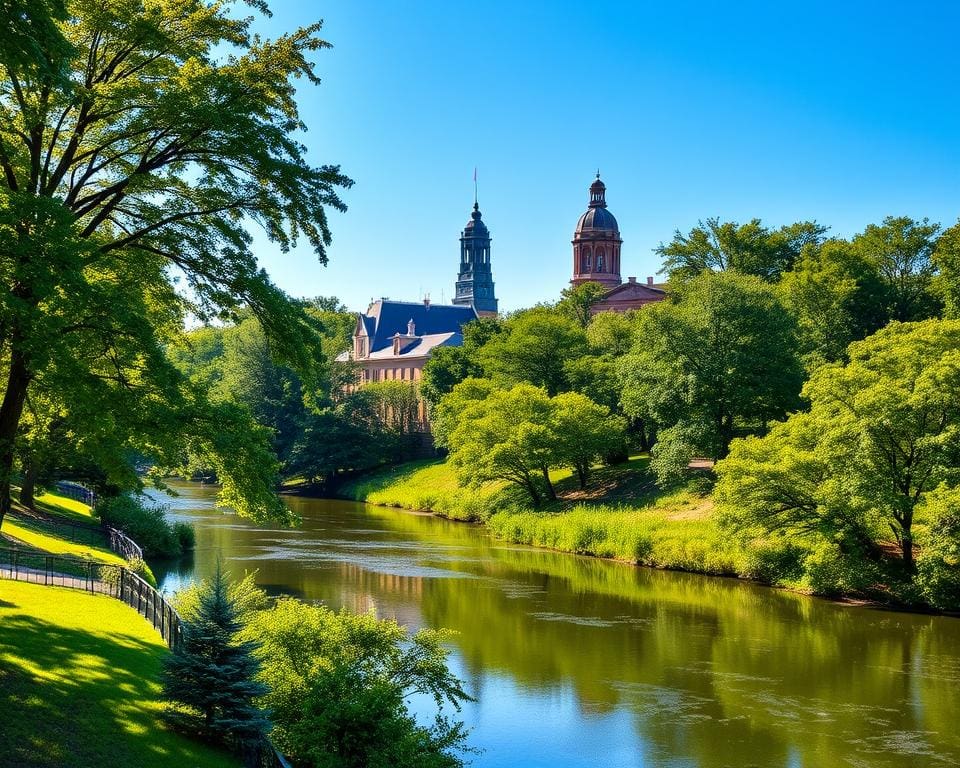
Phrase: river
(579, 662)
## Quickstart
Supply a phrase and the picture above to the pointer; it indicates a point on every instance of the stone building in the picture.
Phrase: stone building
(475, 280)
(596, 258)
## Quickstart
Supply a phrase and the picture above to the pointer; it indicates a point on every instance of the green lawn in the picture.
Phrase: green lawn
(78, 685)
(35, 535)
(69, 509)
(622, 513)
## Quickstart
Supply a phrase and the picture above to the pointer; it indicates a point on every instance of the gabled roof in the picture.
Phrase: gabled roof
(634, 290)
(384, 319)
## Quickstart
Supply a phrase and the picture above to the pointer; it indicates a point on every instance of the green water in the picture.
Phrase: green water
(577, 662)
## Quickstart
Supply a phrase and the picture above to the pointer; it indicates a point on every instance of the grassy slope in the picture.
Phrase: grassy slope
(622, 514)
(78, 684)
(34, 533)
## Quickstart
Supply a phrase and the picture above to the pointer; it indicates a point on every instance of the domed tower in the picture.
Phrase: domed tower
(475, 281)
(596, 242)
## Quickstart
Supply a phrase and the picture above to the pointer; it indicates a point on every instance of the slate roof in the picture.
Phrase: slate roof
(597, 218)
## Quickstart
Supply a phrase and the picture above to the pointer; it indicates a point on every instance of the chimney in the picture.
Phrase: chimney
(649, 281)
(426, 302)
(631, 279)
(411, 328)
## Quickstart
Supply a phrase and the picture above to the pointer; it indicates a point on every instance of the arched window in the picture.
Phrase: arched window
(585, 260)
(600, 260)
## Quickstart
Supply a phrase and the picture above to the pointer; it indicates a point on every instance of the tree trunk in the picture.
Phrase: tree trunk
(534, 493)
(28, 485)
(582, 476)
(551, 494)
(10, 412)
(906, 544)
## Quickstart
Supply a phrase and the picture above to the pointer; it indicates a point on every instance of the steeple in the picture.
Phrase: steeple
(475, 279)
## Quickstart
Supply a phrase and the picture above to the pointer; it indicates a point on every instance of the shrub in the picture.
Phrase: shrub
(830, 572)
(938, 566)
(776, 561)
(186, 536)
(145, 524)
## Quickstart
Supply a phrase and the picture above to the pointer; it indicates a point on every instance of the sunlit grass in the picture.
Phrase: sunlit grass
(79, 685)
(51, 543)
(622, 514)
(54, 504)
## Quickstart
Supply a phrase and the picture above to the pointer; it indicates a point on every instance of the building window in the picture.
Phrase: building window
(585, 260)
(600, 260)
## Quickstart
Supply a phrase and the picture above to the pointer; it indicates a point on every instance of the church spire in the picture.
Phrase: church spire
(475, 280)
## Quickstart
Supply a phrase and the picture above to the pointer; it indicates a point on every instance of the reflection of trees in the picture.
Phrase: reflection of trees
(717, 672)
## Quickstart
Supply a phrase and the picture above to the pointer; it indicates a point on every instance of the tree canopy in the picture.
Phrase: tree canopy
(138, 145)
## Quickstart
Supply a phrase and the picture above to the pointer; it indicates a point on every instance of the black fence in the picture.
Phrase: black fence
(91, 576)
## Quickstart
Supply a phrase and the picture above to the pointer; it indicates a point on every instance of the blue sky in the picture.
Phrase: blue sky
(839, 112)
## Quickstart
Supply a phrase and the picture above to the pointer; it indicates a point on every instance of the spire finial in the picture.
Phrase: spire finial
(598, 173)
(475, 197)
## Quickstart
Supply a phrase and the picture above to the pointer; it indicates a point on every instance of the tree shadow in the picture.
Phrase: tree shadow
(83, 698)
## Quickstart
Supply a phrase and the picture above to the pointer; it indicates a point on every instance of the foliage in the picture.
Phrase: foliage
(337, 686)
(447, 412)
(146, 524)
(80, 671)
(938, 566)
(611, 333)
(448, 366)
(882, 431)
(946, 261)
(582, 432)
(506, 436)
(533, 347)
(838, 297)
(137, 144)
(721, 356)
(209, 680)
(750, 249)
(902, 251)
(577, 300)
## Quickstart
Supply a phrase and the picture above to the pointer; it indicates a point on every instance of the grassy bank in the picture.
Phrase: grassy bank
(78, 682)
(622, 515)
(48, 537)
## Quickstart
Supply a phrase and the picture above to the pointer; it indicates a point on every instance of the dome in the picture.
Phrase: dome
(597, 218)
(475, 226)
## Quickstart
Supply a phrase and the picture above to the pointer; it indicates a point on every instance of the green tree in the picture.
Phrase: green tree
(882, 431)
(506, 437)
(611, 333)
(902, 250)
(583, 432)
(209, 679)
(718, 358)
(338, 683)
(751, 248)
(938, 565)
(446, 415)
(448, 366)
(838, 297)
(533, 347)
(577, 300)
(946, 260)
(134, 148)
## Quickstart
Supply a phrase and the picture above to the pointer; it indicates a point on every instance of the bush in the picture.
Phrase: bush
(185, 535)
(938, 566)
(774, 562)
(830, 572)
(146, 525)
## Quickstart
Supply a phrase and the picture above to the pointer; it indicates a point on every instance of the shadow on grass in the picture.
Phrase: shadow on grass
(78, 698)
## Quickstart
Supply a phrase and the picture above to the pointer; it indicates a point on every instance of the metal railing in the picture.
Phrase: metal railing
(91, 576)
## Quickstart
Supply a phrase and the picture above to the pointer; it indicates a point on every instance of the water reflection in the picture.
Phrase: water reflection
(577, 661)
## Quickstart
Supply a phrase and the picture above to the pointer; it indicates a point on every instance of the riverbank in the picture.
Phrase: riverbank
(81, 673)
(622, 515)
